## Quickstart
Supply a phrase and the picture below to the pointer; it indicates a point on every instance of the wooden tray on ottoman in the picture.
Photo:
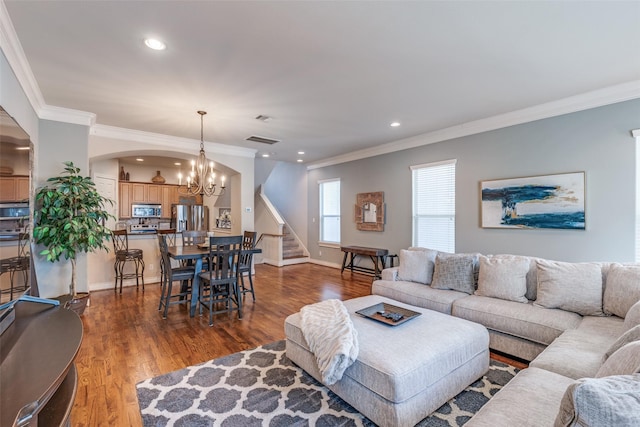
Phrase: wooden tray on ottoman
(376, 312)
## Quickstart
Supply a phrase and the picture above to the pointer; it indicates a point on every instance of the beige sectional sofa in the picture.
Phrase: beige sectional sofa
(565, 318)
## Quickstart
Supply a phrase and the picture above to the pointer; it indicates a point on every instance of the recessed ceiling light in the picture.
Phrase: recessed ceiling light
(177, 163)
(301, 152)
(155, 44)
(139, 160)
(265, 155)
(299, 160)
(23, 148)
(395, 124)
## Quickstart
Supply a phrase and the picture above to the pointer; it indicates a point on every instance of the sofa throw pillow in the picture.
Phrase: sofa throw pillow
(503, 277)
(415, 266)
(633, 316)
(596, 402)
(625, 361)
(569, 286)
(631, 335)
(455, 271)
(622, 289)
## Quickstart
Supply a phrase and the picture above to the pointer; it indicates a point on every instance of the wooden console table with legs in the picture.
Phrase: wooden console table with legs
(378, 257)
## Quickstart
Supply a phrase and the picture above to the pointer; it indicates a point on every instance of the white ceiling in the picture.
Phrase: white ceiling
(331, 74)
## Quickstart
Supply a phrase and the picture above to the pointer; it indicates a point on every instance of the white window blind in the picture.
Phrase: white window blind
(330, 211)
(434, 205)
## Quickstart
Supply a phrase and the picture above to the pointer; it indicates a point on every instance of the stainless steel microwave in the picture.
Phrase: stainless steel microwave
(146, 211)
(14, 211)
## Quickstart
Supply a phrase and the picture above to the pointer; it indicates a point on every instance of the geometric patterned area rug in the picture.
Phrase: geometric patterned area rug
(262, 387)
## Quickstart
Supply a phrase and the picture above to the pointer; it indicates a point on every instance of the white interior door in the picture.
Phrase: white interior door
(106, 187)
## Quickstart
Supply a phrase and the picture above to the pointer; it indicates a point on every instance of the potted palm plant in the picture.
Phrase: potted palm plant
(70, 218)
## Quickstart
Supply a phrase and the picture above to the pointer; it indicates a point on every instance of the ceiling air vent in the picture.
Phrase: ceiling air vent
(262, 139)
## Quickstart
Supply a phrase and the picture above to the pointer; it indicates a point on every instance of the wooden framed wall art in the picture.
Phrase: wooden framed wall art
(369, 211)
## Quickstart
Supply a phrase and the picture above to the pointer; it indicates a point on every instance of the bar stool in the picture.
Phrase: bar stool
(123, 255)
(20, 263)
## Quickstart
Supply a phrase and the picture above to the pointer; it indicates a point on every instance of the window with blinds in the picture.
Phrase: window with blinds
(330, 211)
(434, 205)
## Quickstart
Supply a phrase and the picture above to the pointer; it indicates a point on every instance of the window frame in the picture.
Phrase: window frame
(450, 244)
(321, 236)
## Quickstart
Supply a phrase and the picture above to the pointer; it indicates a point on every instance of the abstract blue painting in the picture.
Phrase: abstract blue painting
(546, 201)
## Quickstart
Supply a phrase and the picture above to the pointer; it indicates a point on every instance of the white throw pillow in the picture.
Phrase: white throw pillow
(569, 286)
(622, 289)
(625, 361)
(415, 266)
(503, 277)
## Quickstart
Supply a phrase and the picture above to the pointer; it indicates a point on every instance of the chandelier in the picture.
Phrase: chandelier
(201, 180)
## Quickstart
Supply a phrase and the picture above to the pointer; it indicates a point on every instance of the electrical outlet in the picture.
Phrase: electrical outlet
(320, 253)
(152, 267)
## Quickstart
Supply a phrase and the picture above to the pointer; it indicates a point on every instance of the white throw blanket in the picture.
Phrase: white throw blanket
(331, 336)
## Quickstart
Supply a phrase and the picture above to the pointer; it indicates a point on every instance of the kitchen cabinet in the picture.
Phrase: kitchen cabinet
(14, 188)
(154, 193)
(124, 200)
(139, 192)
(169, 196)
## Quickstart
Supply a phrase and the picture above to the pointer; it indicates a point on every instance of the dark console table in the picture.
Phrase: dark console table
(37, 371)
(378, 257)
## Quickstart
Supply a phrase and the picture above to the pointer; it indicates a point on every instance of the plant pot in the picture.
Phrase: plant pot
(79, 303)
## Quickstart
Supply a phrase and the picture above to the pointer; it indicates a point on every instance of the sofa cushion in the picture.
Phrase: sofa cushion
(531, 399)
(526, 321)
(596, 402)
(633, 316)
(416, 266)
(417, 294)
(455, 271)
(574, 287)
(584, 347)
(631, 335)
(625, 361)
(504, 277)
(622, 289)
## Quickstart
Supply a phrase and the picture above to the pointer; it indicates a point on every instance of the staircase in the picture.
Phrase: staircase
(290, 247)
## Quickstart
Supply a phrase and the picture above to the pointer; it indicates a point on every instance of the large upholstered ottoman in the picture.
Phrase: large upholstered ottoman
(405, 372)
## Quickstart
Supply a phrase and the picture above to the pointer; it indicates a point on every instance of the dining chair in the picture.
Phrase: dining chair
(170, 235)
(246, 259)
(219, 284)
(19, 263)
(172, 274)
(124, 254)
(193, 237)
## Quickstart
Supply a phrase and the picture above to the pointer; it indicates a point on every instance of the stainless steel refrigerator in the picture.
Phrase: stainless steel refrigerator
(189, 217)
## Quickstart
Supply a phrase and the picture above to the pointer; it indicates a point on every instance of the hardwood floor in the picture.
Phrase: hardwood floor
(126, 340)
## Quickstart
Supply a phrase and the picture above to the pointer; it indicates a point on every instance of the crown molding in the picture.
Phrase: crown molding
(167, 140)
(597, 98)
(14, 53)
(67, 115)
(636, 133)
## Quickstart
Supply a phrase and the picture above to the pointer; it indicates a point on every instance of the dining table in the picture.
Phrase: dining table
(196, 254)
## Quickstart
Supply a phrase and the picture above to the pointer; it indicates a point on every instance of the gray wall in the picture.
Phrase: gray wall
(596, 141)
(61, 142)
(286, 188)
